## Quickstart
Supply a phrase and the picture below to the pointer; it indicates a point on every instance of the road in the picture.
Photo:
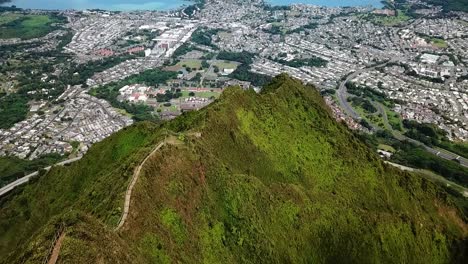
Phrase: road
(434, 150)
(7, 188)
(342, 95)
(401, 167)
(213, 60)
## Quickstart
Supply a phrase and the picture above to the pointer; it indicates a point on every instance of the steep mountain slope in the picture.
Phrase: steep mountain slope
(253, 178)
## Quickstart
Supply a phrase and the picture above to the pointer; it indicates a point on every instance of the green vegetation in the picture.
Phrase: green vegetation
(309, 26)
(226, 64)
(311, 62)
(242, 57)
(431, 135)
(168, 95)
(415, 156)
(450, 5)
(94, 185)
(386, 148)
(204, 36)
(236, 183)
(275, 29)
(365, 104)
(193, 64)
(29, 69)
(28, 26)
(408, 154)
(201, 94)
(139, 112)
(192, 9)
(205, 64)
(367, 92)
(400, 17)
(440, 43)
(12, 168)
(79, 74)
(373, 105)
(183, 49)
(394, 120)
(13, 109)
(7, 18)
(268, 7)
(243, 73)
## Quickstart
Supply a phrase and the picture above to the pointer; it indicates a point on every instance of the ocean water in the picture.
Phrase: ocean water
(114, 5)
(163, 4)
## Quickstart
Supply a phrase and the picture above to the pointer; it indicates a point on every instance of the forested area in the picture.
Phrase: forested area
(363, 103)
(204, 36)
(297, 63)
(431, 135)
(242, 57)
(450, 5)
(13, 109)
(31, 26)
(12, 168)
(409, 154)
(80, 73)
(243, 73)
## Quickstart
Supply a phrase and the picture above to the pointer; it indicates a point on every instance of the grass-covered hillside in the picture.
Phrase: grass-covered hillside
(253, 178)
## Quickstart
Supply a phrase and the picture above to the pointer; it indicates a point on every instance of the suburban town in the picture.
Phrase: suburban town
(415, 60)
(233, 131)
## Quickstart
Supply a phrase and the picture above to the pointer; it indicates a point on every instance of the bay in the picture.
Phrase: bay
(125, 5)
(329, 3)
(114, 5)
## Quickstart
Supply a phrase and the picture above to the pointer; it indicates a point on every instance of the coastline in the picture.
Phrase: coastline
(164, 5)
(157, 5)
(327, 3)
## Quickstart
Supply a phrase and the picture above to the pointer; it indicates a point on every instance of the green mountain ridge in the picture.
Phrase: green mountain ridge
(252, 178)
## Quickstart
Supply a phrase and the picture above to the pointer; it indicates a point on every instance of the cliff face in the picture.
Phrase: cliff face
(261, 178)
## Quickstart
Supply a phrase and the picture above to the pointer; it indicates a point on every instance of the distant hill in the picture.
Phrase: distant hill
(252, 178)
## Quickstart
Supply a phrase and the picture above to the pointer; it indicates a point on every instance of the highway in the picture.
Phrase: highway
(436, 151)
(342, 96)
(343, 93)
(7, 188)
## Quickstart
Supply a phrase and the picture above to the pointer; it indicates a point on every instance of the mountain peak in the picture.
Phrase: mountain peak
(265, 178)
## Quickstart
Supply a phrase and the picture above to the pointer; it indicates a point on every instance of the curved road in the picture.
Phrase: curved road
(436, 151)
(342, 95)
(7, 188)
